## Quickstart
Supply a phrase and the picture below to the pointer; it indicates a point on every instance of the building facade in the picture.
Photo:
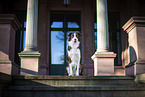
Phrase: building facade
(53, 20)
(33, 36)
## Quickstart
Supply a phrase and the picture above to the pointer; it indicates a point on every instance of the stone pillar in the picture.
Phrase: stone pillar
(135, 28)
(30, 55)
(102, 26)
(9, 24)
(103, 59)
(31, 26)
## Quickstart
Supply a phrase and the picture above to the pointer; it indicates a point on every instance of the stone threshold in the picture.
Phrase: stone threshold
(72, 77)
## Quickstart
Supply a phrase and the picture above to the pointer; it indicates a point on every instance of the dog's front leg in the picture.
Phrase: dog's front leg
(70, 69)
(78, 63)
(78, 68)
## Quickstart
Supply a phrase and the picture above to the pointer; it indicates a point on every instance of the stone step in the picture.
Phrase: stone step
(82, 86)
(74, 91)
(68, 81)
(78, 88)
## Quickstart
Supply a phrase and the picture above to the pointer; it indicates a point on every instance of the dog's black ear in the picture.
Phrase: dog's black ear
(69, 38)
(70, 34)
(78, 33)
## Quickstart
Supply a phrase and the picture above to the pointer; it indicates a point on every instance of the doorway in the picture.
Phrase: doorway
(61, 24)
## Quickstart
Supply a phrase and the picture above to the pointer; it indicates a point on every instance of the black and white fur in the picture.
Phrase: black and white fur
(74, 55)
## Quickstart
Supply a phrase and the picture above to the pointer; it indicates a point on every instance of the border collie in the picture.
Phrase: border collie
(73, 57)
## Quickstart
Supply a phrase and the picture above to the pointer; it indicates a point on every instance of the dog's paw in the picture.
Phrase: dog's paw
(77, 75)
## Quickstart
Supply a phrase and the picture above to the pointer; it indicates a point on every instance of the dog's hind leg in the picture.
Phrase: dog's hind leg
(67, 70)
(70, 70)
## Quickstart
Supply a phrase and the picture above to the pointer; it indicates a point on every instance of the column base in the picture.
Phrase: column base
(103, 63)
(29, 63)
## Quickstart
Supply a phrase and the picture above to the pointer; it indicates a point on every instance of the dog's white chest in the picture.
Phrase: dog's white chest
(74, 55)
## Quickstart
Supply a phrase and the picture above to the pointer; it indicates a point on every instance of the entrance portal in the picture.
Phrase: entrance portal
(61, 24)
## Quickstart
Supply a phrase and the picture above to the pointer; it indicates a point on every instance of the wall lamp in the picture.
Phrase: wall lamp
(66, 3)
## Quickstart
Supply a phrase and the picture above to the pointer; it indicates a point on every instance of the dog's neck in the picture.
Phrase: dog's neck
(74, 45)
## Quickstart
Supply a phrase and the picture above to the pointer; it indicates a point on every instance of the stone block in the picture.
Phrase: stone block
(29, 63)
(103, 63)
(8, 27)
(135, 27)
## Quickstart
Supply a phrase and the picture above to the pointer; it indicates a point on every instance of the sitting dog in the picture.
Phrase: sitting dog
(73, 57)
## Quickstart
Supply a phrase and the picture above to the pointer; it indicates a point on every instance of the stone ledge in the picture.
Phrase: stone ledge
(73, 77)
(29, 54)
(133, 22)
(5, 62)
(104, 55)
(10, 19)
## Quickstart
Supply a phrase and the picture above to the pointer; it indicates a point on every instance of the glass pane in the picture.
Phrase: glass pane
(57, 47)
(73, 20)
(57, 20)
(24, 39)
(24, 24)
(57, 25)
(95, 25)
(73, 25)
(21, 40)
(95, 34)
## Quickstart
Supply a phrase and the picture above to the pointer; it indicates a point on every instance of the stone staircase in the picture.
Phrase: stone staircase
(82, 86)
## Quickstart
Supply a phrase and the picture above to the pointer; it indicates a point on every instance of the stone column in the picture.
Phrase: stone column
(135, 27)
(102, 26)
(103, 59)
(31, 26)
(30, 55)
